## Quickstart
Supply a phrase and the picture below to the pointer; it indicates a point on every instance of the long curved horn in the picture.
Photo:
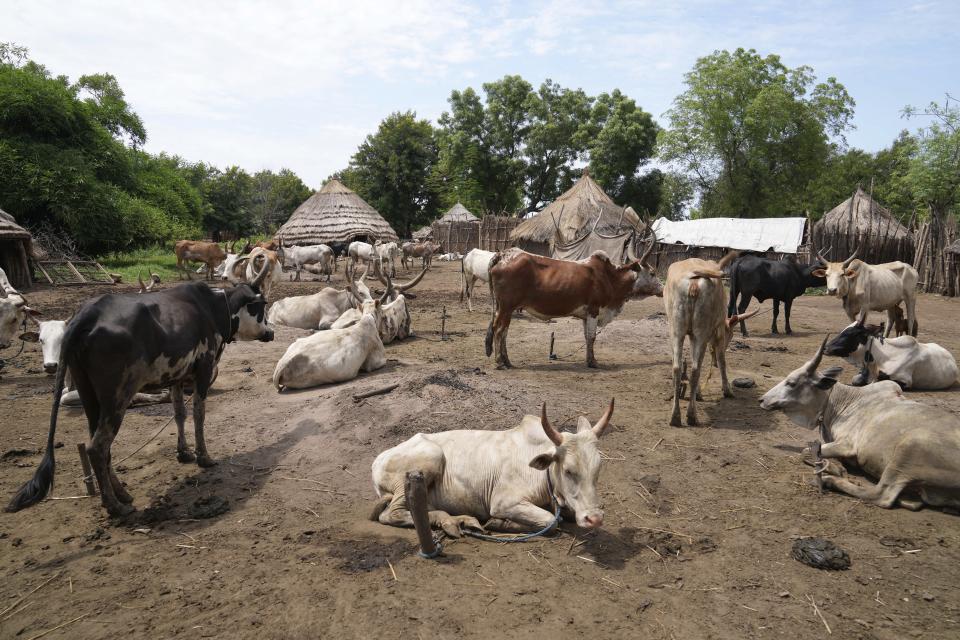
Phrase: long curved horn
(403, 288)
(823, 260)
(548, 429)
(143, 287)
(385, 298)
(601, 425)
(846, 263)
(262, 274)
(734, 319)
(813, 364)
(649, 250)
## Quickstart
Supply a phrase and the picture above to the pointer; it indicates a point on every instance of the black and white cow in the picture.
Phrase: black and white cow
(117, 345)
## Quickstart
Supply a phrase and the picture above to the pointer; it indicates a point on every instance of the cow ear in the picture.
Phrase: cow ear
(544, 460)
(30, 336)
(850, 273)
(33, 312)
(828, 378)
(820, 273)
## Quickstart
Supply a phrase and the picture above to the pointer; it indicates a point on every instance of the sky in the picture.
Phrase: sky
(267, 85)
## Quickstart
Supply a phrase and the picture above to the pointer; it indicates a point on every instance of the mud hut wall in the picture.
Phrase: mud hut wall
(495, 232)
(458, 236)
(13, 261)
(665, 255)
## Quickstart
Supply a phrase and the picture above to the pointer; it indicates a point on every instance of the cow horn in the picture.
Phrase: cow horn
(402, 288)
(813, 364)
(846, 263)
(386, 294)
(143, 287)
(649, 250)
(601, 425)
(262, 274)
(734, 319)
(548, 429)
(823, 260)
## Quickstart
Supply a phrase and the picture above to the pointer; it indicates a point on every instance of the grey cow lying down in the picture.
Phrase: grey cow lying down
(914, 449)
(498, 477)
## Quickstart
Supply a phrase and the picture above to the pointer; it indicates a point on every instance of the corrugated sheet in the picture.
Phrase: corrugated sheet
(783, 235)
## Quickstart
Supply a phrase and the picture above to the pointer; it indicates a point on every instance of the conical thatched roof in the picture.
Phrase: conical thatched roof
(576, 212)
(423, 233)
(9, 229)
(334, 214)
(458, 213)
(862, 214)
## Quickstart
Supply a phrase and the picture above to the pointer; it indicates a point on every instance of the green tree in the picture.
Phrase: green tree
(274, 196)
(229, 194)
(934, 171)
(393, 170)
(752, 133)
(109, 106)
(676, 194)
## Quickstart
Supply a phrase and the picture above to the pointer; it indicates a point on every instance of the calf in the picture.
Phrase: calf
(911, 364)
(693, 298)
(332, 356)
(900, 323)
(14, 311)
(389, 253)
(872, 287)
(317, 254)
(511, 480)
(593, 290)
(761, 278)
(423, 250)
(209, 253)
(117, 345)
(475, 266)
(912, 448)
(362, 252)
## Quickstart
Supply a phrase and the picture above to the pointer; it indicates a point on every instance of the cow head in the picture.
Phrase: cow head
(803, 394)
(645, 281)
(854, 338)
(837, 274)
(248, 310)
(14, 311)
(50, 337)
(574, 465)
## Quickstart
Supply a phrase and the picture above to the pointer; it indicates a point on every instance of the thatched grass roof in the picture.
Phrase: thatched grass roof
(860, 214)
(10, 230)
(423, 233)
(576, 212)
(334, 214)
(458, 213)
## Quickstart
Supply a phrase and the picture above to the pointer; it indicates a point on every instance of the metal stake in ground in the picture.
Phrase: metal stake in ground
(553, 356)
(415, 490)
(87, 471)
(443, 323)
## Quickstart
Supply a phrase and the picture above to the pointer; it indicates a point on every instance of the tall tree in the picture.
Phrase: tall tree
(752, 132)
(392, 170)
(935, 168)
(274, 196)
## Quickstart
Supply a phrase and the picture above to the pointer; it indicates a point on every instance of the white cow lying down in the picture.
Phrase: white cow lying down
(331, 356)
(496, 476)
(912, 449)
(911, 364)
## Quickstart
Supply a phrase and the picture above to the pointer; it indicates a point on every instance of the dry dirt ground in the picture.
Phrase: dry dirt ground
(274, 542)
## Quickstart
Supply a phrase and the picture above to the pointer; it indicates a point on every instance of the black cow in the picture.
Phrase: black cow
(760, 278)
(117, 345)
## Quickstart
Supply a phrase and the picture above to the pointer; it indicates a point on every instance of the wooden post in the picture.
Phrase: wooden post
(553, 356)
(443, 323)
(415, 490)
(87, 470)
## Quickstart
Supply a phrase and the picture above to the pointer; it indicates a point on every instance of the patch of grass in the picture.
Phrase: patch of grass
(816, 291)
(159, 260)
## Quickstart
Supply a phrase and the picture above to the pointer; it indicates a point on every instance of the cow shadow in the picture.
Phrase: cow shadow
(392, 365)
(208, 494)
(613, 550)
(742, 412)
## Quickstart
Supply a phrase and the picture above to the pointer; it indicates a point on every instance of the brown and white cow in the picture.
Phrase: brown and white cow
(257, 259)
(872, 287)
(503, 478)
(593, 290)
(209, 253)
(694, 301)
(423, 250)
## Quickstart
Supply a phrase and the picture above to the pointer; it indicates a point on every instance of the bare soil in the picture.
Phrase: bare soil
(274, 542)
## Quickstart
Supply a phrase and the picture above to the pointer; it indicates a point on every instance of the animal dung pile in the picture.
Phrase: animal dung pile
(744, 383)
(820, 553)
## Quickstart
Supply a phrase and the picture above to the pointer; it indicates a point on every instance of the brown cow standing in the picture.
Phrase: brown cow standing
(593, 290)
(209, 253)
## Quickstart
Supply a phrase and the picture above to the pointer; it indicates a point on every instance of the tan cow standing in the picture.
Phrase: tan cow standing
(209, 253)
(694, 302)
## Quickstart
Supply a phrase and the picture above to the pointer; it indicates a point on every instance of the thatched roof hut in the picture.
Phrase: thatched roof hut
(860, 222)
(335, 214)
(423, 233)
(14, 251)
(575, 213)
(459, 213)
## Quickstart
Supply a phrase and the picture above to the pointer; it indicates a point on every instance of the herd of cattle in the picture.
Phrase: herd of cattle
(127, 348)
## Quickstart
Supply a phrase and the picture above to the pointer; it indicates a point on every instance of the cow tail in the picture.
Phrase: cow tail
(488, 342)
(37, 488)
(734, 289)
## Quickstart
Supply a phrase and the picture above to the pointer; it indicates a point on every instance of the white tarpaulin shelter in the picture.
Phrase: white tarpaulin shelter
(783, 235)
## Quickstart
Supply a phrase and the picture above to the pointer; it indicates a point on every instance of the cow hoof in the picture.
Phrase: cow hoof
(728, 394)
(789, 331)
(120, 510)
(122, 495)
(206, 462)
(185, 457)
(675, 421)
(692, 421)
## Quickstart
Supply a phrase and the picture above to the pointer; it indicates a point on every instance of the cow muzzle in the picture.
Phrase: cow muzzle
(50, 367)
(831, 292)
(266, 336)
(591, 520)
